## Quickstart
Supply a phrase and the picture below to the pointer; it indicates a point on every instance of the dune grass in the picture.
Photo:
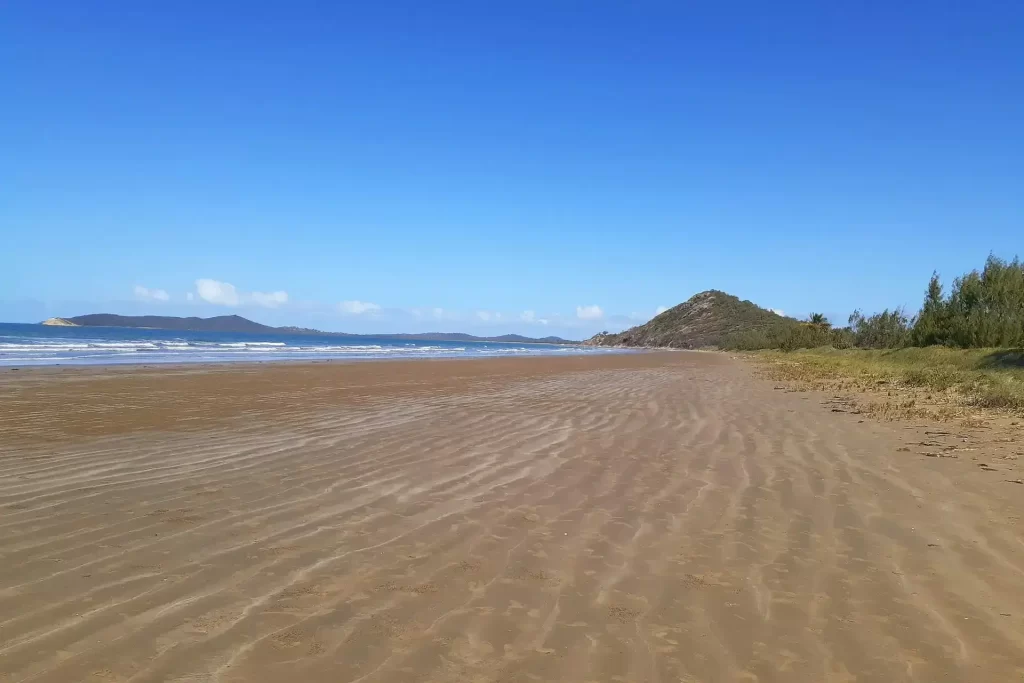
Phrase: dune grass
(980, 378)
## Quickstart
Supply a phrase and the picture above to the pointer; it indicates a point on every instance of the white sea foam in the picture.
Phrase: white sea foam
(29, 349)
(254, 344)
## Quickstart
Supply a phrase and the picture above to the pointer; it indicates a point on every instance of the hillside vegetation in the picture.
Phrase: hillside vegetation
(708, 319)
(961, 351)
(984, 309)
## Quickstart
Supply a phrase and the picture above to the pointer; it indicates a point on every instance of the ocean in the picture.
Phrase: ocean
(23, 345)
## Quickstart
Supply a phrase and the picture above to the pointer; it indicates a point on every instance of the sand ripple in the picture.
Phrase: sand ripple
(656, 518)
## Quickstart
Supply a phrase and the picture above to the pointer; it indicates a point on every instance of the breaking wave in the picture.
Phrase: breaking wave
(63, 346)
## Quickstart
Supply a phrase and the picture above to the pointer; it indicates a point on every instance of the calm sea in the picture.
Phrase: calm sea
(44, 345)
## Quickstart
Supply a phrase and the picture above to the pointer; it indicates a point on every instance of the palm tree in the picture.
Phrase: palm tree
(818, 320)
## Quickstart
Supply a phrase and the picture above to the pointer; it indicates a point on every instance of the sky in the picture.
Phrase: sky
(545, 167)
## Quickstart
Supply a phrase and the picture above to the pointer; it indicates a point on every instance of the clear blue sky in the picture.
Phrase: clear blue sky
(456, 166)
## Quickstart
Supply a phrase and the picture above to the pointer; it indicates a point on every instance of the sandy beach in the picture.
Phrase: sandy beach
(650, 517)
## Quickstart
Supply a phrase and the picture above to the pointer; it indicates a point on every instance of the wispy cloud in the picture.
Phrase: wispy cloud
(531, 318)
(269, 299)
(660, 309)
(226, 294)
(147, 294)
(618, 322)
(777, 311)
(357, 307)
(436, 313)
(593, 312)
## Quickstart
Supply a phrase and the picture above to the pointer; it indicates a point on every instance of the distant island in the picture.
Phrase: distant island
(238, 324)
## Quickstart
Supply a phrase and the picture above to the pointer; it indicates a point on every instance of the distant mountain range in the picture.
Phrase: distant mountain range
(236, 323)
(707, 320)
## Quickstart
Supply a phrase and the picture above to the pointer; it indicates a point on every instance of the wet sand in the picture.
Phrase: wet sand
(656, 517)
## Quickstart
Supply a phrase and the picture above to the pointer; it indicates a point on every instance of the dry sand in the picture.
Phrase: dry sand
(658, 517)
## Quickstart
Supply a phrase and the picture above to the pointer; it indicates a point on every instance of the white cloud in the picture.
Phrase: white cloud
(436, 313)
(269, 299)
(146, 294)
(190, 296)
(484, 315)
(777, 311)
(660, 309)
(225, 294)
(531, 318)
(216, 292)
(357, 307)
(589, 312)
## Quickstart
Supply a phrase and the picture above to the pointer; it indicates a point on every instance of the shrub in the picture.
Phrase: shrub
(885, 330)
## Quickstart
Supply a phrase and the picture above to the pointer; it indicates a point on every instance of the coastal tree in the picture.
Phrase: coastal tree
(819, 320)
(885, 330)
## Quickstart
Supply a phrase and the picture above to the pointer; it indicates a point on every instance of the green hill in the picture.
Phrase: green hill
(708, 319)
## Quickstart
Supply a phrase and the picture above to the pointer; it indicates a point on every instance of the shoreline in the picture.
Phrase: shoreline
(26, 346)
(71, 363)
(128, 366)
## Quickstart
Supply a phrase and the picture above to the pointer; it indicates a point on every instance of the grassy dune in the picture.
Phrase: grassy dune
(936, 380)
